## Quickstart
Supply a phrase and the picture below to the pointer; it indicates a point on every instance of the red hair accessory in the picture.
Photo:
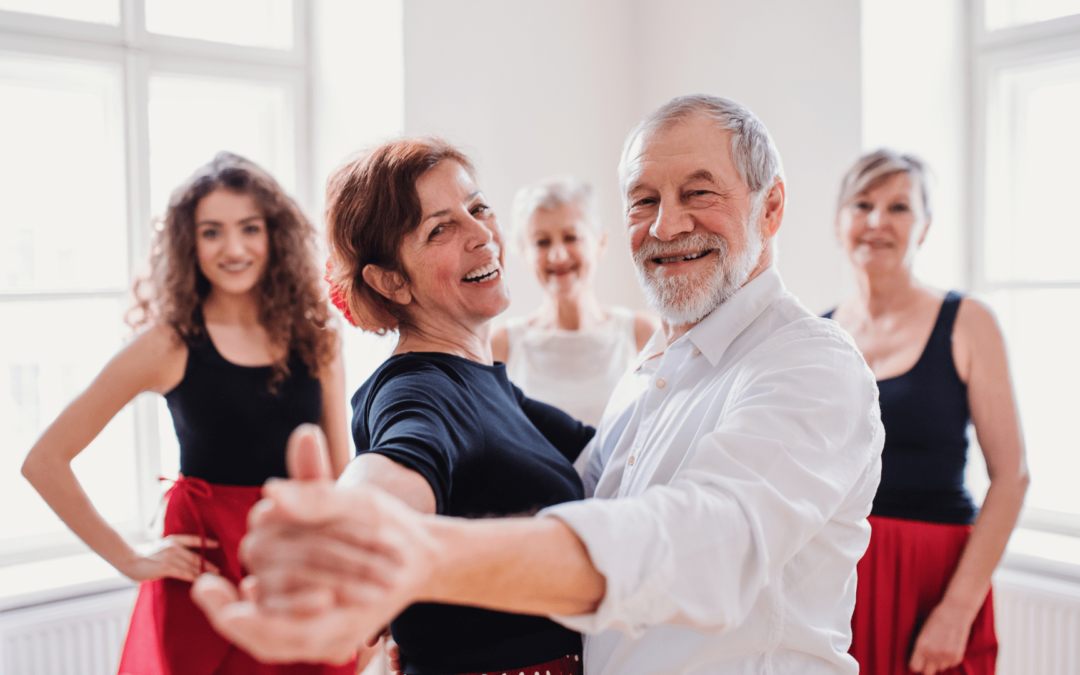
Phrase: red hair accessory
(337, 296)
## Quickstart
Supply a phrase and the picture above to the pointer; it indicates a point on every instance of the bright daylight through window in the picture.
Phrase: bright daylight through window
(1028, 97)
(104, 114)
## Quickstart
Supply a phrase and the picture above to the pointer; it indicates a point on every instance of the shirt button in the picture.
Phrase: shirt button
(697, 352)
(630, 461)
(660, 382)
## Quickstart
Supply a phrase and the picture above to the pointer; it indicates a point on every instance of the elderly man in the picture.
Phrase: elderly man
(731, 474)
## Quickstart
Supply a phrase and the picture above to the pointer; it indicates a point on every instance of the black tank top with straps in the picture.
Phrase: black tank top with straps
(232, 429)
(925, 414)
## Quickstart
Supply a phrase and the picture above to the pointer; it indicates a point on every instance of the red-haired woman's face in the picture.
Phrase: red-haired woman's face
(231, 241)
(454, 259)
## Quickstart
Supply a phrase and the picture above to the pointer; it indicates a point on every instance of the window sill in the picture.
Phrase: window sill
(57, 579)
(1043, 554)
(1032, 552)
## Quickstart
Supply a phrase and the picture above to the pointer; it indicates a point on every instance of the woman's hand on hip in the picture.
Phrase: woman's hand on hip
(176, 556)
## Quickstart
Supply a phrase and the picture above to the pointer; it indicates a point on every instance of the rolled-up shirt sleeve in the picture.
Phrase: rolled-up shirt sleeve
(798, 436)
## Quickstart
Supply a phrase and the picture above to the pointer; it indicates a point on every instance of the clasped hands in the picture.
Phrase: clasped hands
(329, 566)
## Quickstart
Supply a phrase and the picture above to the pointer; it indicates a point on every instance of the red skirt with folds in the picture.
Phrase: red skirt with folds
(169, 634)
(902, 578)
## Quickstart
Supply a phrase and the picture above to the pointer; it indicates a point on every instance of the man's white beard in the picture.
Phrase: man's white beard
(685, 300)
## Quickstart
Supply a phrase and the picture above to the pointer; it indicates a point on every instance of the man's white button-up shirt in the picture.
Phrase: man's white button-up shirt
(733, 471)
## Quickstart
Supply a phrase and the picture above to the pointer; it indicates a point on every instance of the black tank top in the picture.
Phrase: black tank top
(232, 430)
(925, 414)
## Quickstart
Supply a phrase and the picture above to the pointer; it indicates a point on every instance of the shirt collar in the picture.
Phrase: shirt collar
(715, 332)
(719, 329)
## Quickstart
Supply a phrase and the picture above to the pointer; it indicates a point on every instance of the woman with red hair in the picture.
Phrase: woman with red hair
(416, 249)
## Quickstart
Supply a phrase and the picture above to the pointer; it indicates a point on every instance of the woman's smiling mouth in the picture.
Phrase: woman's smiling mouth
(487, 272)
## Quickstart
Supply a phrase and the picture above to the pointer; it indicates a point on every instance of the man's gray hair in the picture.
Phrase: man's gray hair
(752, 149)
(551, 193)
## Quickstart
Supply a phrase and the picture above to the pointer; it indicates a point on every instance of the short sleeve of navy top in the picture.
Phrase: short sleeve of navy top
(486, 450)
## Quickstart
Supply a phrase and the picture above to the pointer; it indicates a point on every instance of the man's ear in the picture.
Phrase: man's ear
(772, 209)
(390, 285)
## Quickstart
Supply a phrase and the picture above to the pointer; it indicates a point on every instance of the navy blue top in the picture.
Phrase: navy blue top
(925, 414)
(232, 429)
(486, 450)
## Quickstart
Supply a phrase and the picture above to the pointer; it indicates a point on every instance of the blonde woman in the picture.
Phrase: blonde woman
(923, 601)
(571, 351)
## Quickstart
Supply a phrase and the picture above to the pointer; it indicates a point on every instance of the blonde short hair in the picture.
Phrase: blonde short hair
(551, 193)
(875, 168)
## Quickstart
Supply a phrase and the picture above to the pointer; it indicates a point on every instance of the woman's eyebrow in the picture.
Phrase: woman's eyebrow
(446, 212)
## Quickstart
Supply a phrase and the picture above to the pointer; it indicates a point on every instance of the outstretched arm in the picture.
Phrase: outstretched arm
(333, 564)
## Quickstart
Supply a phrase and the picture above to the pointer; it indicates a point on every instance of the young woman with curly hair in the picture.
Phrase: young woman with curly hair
(235, 335)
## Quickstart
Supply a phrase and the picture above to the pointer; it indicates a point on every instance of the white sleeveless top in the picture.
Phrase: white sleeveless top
(575, 370)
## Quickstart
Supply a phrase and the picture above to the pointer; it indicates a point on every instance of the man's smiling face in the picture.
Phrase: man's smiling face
(693, 223)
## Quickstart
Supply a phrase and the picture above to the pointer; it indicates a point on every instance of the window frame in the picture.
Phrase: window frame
(990, 53)
(139, 54)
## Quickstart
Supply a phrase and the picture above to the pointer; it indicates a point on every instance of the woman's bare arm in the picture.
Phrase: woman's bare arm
(333, 420)
(154, 361)
(980, 349)
(386, 474)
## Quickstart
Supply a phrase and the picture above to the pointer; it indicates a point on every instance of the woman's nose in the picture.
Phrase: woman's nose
(873, 219)
(558, 252)
(234, 243)
(480, 234)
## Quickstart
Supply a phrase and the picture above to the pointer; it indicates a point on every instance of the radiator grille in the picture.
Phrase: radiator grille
(1038, 624)
(75, 637)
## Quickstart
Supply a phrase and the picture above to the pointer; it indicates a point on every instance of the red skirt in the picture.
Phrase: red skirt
(902, 578)
(169, 634)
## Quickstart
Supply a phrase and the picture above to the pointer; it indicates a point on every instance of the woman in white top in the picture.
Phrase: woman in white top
(571, 351)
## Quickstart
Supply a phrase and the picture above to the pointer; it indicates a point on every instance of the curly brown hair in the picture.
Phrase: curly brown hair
(292, 307)
(371, 206)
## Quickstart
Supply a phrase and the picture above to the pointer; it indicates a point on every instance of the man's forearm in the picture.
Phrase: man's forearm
(521, 565)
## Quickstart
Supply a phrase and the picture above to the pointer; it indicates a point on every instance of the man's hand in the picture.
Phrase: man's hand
(330, 566)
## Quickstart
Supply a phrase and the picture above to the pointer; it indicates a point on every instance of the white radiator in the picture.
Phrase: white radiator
(82, 636)
(1038, 624)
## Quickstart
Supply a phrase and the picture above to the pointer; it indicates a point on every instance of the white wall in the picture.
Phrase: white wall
(534, 88)
(358, 99)
(915, 88)
(528, 89)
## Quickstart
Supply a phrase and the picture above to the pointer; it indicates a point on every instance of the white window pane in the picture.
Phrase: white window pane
(1005, 13)
(97, 11)
(193, 118)
(251, 23)
(1041, 328)
(1033, 230)
(59, 347)
(62, 175)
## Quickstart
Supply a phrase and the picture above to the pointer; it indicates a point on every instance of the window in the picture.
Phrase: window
(988, 93)
(1026, 59)
(108, 105)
